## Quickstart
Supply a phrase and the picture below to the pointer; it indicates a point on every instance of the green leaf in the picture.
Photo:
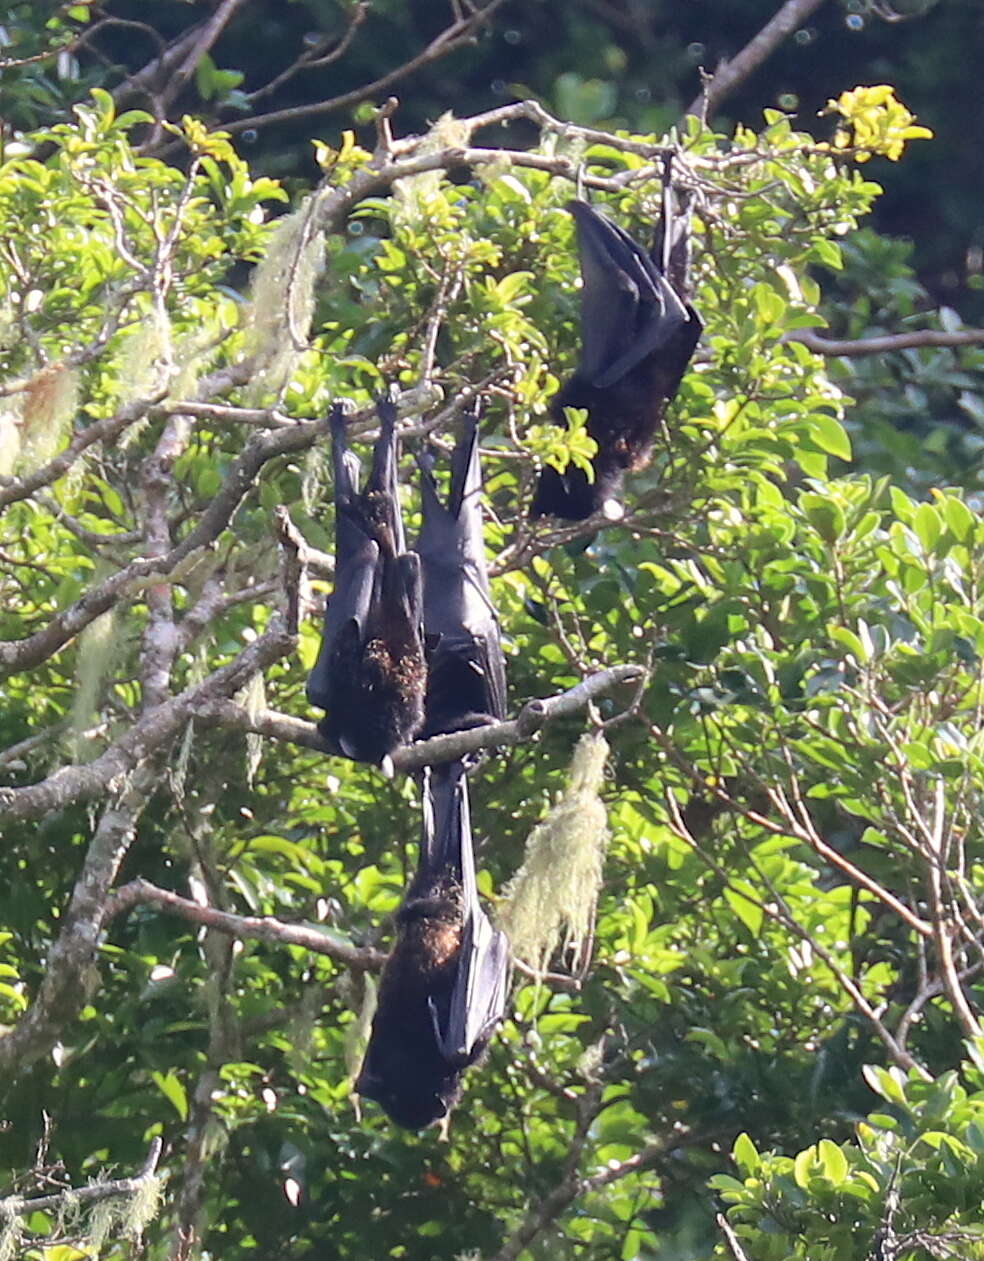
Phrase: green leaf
(927, 526)
(750, 914)
(171, 1088)
(886, 1082)
(826, 516)
(828, 253)
(803, 1167)
(770, 305)
(832, 1160)
(830, 436)
(959, 517)
(745, 1155)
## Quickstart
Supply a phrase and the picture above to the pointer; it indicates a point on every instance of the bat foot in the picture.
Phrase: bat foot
(386, 767)
(612, 510)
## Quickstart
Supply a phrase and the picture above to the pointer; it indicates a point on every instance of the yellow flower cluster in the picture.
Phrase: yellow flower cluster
(877, 123)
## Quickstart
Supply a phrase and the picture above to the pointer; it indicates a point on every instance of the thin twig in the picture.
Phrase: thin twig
(451, 38)
(888, 344)
(730, 1238)
(92, 1194)
(245, 927)
(735, 71)
(206, 35)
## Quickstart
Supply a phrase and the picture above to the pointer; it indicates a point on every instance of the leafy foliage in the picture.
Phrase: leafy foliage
(791, 886)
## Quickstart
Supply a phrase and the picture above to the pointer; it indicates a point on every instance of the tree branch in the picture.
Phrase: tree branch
(453, 37)
(572, 1185)
(92, 1194)
(317, 57)
(245, 927)
(777, 909)
(887, 344)
(13, 489)
(730, 1238)
(735, 71)
(206, 35)
(534, 715)
(154, 730)
(68, 981)
(22, 654)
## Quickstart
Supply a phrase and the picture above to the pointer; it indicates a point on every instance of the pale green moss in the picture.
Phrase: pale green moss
(551, 900)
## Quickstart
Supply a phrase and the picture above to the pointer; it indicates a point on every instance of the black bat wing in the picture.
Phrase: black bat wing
(467, 669)
(478, 995)
(629, 310)
(356, 566)
(381, 499)
(478, 1001)
(347, 611)
(370, 673)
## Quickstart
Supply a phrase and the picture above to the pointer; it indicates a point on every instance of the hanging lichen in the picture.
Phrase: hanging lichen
(282, 300)
(145, 366)
(357, 1033)
(10, 436)
(551, 900)
(11, 1227)
(144, 1206)
(179, 773)
(315, 478)
(103, 1220)
(97, 646)
(47, 411)
(253, 699)
(195, 351)
(412, 194)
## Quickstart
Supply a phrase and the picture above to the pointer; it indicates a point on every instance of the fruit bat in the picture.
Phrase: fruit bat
(443, 989)
(466, 681)
(370, 674)
(638, 333)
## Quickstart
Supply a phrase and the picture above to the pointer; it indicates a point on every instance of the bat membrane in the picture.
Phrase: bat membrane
(466, 683)
(444, 987)
(370, 675)
(638, 334)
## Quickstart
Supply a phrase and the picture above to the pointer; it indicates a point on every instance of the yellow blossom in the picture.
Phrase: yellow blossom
(876, 123)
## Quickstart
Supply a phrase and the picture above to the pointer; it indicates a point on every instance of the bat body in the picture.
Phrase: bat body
(444, 986)
(638, 333)
(466, 682)
(370, 674)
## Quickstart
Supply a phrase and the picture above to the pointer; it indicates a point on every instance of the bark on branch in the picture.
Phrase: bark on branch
(734, 72)
(67, 982)
(256, 927)
(499, 735)
(16, 1206)
(890, 343)
(152, 732)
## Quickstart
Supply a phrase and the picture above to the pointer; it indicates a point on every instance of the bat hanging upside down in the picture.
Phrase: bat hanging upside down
(638, 333)
(466, 681)
(370, 674)
(444, 987)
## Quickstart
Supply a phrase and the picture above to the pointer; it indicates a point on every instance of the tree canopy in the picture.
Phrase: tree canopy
(752, 706)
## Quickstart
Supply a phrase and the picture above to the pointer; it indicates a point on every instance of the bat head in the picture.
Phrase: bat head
(410, 1099)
